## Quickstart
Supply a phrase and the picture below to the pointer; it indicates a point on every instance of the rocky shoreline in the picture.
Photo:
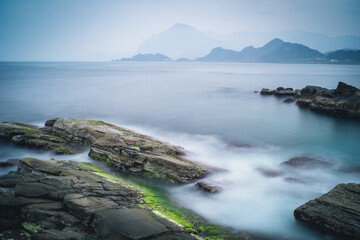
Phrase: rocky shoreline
(49, 199)
(344, 101)
(336, 212)
(117, 147)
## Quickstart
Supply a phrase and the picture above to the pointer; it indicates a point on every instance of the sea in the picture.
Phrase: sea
(214, 111)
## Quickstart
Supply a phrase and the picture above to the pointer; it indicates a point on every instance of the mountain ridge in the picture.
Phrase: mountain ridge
(274, 51)
(184, 41)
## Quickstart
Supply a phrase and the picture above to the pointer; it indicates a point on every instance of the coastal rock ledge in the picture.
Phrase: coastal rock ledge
(62, 200)
(336, 212)
(117, 147)
(343, 101)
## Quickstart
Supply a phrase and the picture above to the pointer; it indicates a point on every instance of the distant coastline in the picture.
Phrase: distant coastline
(275, 51)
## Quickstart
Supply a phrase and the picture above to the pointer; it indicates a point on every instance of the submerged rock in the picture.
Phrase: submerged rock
(115, 146)
(337, 211)
(61, 204)
(305, 162)
(270, 172)
(207, 187)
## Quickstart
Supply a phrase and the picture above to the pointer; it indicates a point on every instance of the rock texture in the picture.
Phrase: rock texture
(66, 200)
(337, 211)
(343, 101)
(117, 147)
(30, 136)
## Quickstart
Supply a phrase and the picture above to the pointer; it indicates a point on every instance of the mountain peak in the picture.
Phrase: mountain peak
(275, 41)
(178, 26)
(273, 44)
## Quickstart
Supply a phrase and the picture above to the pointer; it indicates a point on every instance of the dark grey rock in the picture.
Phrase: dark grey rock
(68, 233)
(33, 189)
(9, 163)
(280, 91)
(337, 211)
(116, 224)
(344, 101)
(266, 91)
(289, 100)
(64, 198)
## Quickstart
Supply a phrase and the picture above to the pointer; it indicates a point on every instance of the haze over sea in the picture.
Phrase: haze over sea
(212, 111)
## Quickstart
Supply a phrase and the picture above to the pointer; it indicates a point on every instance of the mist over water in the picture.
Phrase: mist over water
(212, 111)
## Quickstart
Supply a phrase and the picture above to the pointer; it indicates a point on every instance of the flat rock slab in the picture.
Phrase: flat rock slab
(33, 189)
(337, 211)
(134, 223)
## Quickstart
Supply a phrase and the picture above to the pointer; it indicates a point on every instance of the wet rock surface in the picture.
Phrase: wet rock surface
(207, 187)
(119, 148)
(74, 202)
(337, 211)
(27, 135)
(344, 101)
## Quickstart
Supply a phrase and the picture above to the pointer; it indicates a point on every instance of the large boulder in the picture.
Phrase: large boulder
(337, 211)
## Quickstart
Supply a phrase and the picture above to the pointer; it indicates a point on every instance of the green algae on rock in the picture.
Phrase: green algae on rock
(26, 135)
(81, 201)
(127, 150)
(117, 147)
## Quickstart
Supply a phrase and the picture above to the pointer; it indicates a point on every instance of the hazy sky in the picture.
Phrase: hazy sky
(106, 29)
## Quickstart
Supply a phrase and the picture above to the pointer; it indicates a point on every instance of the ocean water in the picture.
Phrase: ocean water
(211, 110)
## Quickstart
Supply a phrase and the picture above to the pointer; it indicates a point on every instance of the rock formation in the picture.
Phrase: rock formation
(117, 147)
(343, 101)
(68, 200)
(337, 211)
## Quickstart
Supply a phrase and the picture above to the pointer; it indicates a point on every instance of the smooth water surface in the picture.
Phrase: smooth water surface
(211, 110)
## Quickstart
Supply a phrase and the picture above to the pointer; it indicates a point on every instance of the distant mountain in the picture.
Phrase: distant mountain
(274, 51)
(179, 41)
(344, 56)
(148, 58)
(183, 41)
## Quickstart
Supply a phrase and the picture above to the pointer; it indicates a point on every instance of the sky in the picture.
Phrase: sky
(98, 30)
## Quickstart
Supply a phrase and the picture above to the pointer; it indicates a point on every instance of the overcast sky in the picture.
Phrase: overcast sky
(106, 29)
